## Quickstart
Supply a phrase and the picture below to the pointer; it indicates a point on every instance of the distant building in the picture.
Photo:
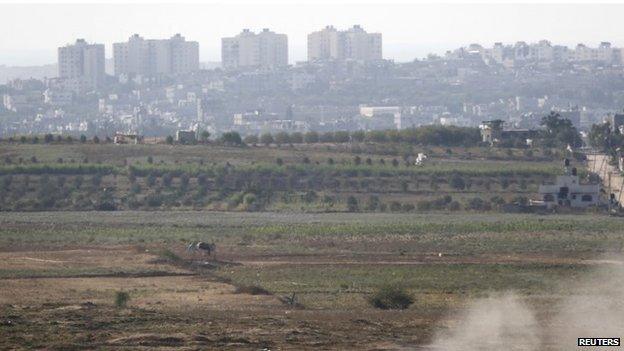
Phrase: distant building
(381, 116)
(81, 66)
(152, 57)
(122, 138)
(250, 50)
(186, 136)
(353, 44)
(22, 101)
(493, 132)
(57, 97)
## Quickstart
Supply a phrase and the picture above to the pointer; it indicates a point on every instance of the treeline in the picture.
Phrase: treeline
(56, 139)
(426, 135)
(68, 169)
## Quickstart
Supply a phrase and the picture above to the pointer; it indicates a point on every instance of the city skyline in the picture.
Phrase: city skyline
(416, 31)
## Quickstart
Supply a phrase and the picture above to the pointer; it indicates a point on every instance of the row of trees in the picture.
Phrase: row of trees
(426, 135)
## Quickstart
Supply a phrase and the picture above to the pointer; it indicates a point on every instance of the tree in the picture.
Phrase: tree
(341, 137)
(457, 182)
(203, 136)
(352, 204)
(48, 138)
(279, 161)
(358, 135)
(311, 137)
(96, 140)
(266, 139)
(83, 138)
(560, 131)
(296, 138)
(251, 139)
(282, 138)
(169, 139)
(231, 138)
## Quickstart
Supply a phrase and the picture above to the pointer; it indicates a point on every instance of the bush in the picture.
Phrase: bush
(121, 299)
(478, 204)
(251, 290)
(457, 182)
(352, 204)
(231, 138)
(391, 297)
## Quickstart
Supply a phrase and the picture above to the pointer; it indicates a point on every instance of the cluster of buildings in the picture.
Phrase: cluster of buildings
(81, 66)
(156, 87)
(541, 52)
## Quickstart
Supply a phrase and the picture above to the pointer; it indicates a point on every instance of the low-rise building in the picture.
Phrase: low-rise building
(186, 136)
(567, 191)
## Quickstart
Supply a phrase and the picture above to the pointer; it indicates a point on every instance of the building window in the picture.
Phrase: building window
(586, 198)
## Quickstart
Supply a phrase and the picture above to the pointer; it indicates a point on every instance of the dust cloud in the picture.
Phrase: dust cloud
(591, 306)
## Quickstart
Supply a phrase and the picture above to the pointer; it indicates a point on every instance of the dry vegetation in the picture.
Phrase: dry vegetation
(279, 281)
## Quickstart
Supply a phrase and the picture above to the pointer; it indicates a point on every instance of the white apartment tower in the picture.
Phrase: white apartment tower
(81, 66)
(152, 57)
(266, 49)
(352, 44)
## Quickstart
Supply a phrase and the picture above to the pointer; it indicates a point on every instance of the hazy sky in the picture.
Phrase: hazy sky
(30, 33)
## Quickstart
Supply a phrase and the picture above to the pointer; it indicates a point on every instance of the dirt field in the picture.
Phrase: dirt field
(60, 274)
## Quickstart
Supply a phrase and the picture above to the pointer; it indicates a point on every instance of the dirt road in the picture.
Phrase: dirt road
(610, 176)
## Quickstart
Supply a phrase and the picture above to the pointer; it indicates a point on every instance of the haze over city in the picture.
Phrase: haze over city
(409, 30)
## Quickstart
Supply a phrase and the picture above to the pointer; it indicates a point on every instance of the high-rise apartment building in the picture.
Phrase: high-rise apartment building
(352, 44)
(81, 66)
(151, 57)
(266, 49)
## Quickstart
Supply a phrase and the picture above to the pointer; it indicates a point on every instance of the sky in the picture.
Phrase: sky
(30, 33)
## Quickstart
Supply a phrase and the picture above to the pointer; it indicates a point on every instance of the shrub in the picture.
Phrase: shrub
(311, 137)
(457, 182)
(266, 139)
(454, 206)
(352, 204)
(121, 299)
(391, 297)
(395, 206)
(251, 290)
(478, 204)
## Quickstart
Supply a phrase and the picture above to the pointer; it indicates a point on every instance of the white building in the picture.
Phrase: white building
(266, 49)
(152, 57)
(567, 191)
(354, 44)
(81, 66)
